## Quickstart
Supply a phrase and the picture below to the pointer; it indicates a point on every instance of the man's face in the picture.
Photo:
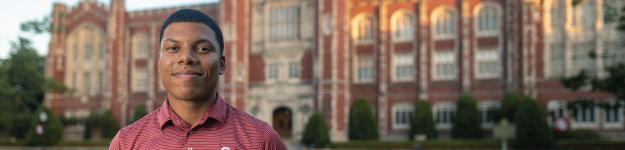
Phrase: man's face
(190, 61)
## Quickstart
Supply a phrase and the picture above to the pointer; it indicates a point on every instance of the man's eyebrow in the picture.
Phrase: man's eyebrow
(202, 41)
(168, 39)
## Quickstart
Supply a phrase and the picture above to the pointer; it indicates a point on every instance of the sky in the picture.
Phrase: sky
(18, 11)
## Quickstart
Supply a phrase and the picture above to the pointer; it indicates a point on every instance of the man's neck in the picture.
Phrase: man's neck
(191, 111)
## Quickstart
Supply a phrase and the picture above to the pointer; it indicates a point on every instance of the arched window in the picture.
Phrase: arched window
(402, 112)
(444, 113)
(85, 44)
(365, 29)
(557, 13)
(445, 23)
(487, 19)
(404, 29)
(90, 40)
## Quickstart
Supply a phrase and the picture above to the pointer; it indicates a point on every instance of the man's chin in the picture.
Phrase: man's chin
(189, 96)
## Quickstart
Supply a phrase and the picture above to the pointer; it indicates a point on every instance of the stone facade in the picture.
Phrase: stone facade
(293, 57)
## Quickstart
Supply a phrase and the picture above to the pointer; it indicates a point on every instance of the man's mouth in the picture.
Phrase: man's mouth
(187, 74)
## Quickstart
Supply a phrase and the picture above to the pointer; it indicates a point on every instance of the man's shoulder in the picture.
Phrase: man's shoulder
(246, 119)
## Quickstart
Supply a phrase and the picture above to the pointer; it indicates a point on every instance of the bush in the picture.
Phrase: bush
(110, 126)
(316, 131)
(578, 134)
(422, 121)
(468, 122)
(532, 130)
(53, 128)
(93, 122)
(509, 106)
(139, 113)
(362, 124)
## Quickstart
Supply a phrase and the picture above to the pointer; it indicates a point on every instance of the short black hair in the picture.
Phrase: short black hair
(195, 16)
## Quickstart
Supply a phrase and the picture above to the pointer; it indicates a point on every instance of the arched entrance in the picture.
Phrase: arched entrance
(282, 122)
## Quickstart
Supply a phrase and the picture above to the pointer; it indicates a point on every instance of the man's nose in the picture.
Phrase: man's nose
(188, 57)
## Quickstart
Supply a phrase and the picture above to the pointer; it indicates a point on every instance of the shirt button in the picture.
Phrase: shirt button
(190, 131)
(190, 148)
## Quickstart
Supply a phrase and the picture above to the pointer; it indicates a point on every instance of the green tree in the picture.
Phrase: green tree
(53, 128)
(468, 121)
(110, 126)
(509, 105)
(362, 124)
(422, 121)
(532, 129)
(316, 131)
(93, 122)
(139, 112)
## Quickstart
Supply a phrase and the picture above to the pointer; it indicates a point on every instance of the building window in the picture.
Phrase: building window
(557, 108)
(284, 23)
(486, 111)
(89, 41)
(585, 115)
(76, 51)
(140, 45)
(141, 79)
(402, 113)
(364, 67)
(273, 70)
(487, 63)
(102, 49)
(240, 71)
(445, 23)
(583, 14)
(404, 29)
(444, 113)
(580, 59)
(328, 24)
(487, 19)
(445, 65)
(556, 60)
(404, 67)
(365, 29)
(69, 114)
(557, 13)
(293, 70)
(613, 54)
(87, 81)
(74, 77)
(613, 114)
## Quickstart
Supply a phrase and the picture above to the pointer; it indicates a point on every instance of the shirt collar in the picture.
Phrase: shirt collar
(216, 111)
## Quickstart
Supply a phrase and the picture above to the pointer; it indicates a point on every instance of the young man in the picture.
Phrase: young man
(194, 116)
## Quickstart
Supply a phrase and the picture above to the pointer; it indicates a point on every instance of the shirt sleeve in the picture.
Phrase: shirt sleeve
(271, 140)
(115, 144)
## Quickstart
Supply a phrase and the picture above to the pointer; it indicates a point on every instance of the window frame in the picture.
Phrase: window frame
(399, 27)
(394, 74)
(274, 26)
(450, 109)
(453, 23)
(408, 108)
(357, 22)
(358, 64)
(453, 63)
(497, 62)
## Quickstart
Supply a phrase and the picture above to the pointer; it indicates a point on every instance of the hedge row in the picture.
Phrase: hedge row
(474, 144)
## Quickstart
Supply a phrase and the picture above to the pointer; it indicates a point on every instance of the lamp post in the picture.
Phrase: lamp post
(43, 117)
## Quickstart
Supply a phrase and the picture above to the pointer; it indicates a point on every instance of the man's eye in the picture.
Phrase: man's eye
(171, 48)
(204, 49)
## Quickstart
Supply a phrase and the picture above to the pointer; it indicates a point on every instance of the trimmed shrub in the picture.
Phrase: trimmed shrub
(93, 122)
(532, 130)
(362, 124)
(52, 128)
(468, 121)
(578, 134)
(509, 105)
(110, 126)
(316, 131)
(422, 121)
(139, 113)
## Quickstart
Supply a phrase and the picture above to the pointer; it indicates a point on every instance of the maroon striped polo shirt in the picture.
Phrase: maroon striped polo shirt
(223, 127)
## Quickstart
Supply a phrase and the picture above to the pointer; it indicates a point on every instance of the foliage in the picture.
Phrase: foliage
(532, 129)
(509, 106)
(614, 82)
(467, 123)
(471, 144)
(139, 112)
(621, 21)
(110, 126)
(21, 124)
(316, 131)
(362, 124)
(53, 128)
(422, 121)
(94, 121)
(578, 134)
(609, 12)
(37, 26)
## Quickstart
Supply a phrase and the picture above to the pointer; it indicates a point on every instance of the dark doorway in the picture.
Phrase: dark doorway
(282, 122)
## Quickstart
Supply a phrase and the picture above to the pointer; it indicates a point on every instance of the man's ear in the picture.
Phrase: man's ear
(222, 64)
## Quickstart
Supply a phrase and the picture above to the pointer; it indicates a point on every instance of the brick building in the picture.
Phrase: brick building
(287, 58)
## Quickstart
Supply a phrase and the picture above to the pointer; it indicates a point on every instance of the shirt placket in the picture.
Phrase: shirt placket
(188, 132)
